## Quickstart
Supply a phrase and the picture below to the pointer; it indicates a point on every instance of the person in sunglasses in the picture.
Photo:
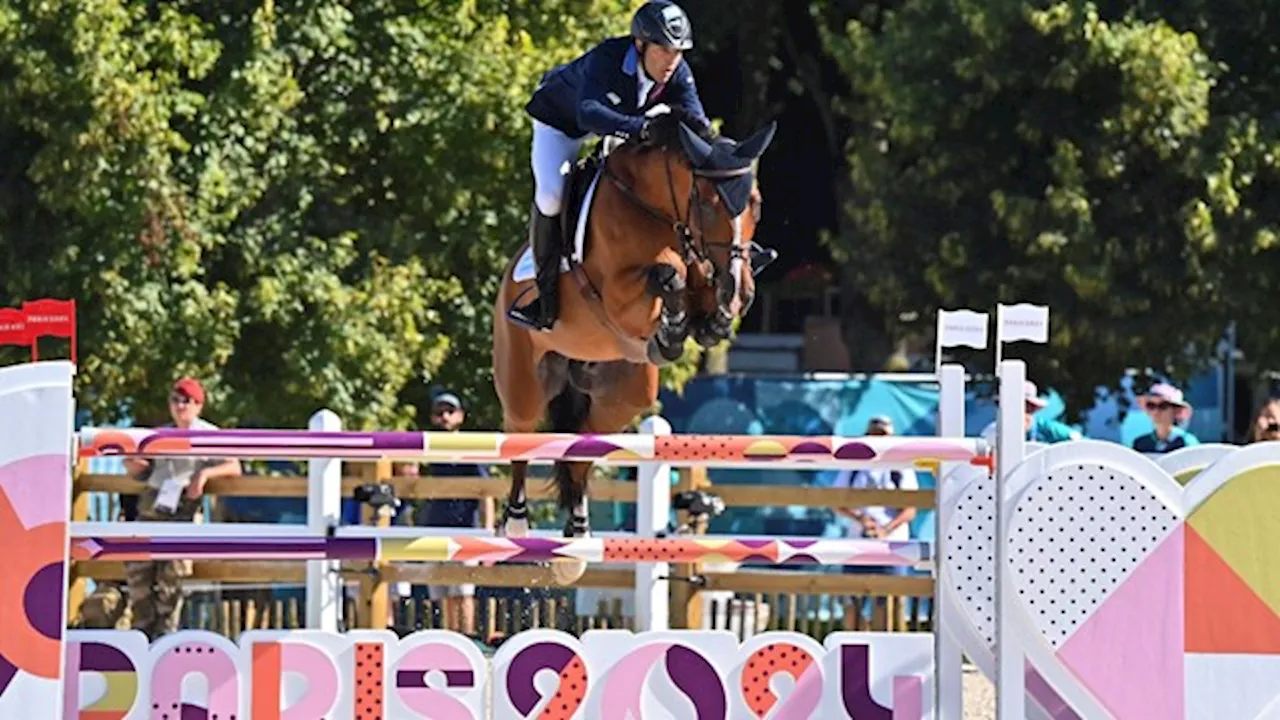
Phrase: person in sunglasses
(1266, 422)
(173, 493)
(1168, 411)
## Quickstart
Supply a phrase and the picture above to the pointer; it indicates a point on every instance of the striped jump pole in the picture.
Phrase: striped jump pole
(465, 548)
(491, 447)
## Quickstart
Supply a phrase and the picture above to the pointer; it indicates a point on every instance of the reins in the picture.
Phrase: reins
(693, 245)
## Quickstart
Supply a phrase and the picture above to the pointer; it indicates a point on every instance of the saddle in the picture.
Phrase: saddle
(576, 185)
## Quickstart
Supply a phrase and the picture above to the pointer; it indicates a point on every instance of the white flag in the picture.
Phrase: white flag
(962, 327)
(1022, 322)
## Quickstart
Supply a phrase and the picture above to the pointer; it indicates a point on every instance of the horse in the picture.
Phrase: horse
(670, 254)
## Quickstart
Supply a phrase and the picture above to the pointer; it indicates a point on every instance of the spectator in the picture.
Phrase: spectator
(1164, 403)
(1039, 429)
(173, 493)
(459, 607)
(107, 607)
(878, 521)
(1266, 422)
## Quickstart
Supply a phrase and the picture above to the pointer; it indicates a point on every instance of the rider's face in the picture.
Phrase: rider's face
(660, 63)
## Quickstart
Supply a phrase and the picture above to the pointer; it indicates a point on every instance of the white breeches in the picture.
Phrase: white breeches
(553, 153)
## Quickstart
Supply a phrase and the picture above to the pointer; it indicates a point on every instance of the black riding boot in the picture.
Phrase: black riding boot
(541, 312)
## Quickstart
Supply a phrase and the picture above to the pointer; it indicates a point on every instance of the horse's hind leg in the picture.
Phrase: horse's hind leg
(622, 392)
(515, 377)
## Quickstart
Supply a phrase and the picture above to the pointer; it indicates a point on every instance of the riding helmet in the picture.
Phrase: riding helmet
(664, 23)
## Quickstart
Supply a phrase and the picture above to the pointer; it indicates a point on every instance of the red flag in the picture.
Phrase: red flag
(51, 318)
(13, 327)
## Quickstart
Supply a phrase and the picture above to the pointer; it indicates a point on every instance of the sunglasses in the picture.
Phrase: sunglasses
(444, 410)
(1162, 406)
(180, 399)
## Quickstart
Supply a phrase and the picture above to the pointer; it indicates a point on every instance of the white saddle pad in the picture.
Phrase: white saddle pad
(526, 268)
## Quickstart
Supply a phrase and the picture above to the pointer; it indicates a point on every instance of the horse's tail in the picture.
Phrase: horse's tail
(568, 413)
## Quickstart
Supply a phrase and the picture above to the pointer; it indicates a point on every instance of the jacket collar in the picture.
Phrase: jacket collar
(631, 66)
(631, 61)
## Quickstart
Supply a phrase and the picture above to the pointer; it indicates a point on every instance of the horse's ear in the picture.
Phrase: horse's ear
(695, 148)
(754, 146)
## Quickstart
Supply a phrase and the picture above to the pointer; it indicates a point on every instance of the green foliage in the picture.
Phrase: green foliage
(1062, 155)
(306, 204)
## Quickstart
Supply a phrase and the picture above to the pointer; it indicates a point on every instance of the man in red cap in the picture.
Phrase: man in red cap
(173, 493)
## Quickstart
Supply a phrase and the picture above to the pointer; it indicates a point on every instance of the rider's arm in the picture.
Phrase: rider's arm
(594, 114)
(682, 91)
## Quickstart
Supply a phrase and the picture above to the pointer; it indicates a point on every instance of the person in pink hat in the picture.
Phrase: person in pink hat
(1039, 429)
(1168, 411)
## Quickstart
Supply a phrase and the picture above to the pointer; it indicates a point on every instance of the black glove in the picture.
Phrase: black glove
(660, 129)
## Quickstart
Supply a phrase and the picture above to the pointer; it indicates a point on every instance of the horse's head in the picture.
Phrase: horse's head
(704, 188)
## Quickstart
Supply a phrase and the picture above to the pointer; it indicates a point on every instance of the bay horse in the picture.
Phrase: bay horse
(669, 248)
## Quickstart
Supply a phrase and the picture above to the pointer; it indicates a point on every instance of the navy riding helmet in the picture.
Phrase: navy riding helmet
(664, 23)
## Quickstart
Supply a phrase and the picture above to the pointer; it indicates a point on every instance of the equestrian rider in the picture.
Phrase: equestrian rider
(612, 90)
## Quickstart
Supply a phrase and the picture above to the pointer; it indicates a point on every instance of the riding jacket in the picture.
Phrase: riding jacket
(600, 93)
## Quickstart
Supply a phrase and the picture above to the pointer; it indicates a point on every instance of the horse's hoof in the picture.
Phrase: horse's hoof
(515, 528)
(568, 572)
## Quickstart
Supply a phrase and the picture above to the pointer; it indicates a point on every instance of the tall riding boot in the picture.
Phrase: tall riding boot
(541, 312)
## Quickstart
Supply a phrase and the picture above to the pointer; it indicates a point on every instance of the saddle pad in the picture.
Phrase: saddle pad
(526, 267)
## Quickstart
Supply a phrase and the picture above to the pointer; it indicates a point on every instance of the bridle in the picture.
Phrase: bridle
(694, 245)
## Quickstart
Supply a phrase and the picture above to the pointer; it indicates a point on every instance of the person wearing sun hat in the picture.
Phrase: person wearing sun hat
(1039, 429)
(1168, 411)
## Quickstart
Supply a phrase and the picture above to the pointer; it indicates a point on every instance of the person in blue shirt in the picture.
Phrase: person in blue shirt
(618, 89)
(1039, 429)
(1168, 410)
(447, 415)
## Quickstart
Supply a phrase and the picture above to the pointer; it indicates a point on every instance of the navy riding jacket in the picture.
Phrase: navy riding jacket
(599, 93)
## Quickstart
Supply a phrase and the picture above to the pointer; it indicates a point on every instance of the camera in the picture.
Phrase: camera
(378, 495)
(698, 503)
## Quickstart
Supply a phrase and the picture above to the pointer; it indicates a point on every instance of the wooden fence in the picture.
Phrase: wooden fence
(229, 597)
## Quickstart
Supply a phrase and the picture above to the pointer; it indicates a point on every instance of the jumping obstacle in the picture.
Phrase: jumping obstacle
(1084, 577)
(617, 550)
(468, 446)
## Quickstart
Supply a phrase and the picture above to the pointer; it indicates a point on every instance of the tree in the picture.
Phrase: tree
(1006, 153)
(306, 204)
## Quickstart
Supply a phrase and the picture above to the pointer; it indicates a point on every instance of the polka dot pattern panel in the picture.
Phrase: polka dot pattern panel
(1075, 536)
(970, 554)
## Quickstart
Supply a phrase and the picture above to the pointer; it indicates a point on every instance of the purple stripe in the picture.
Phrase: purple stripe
(459, 678)
(314, 439)
(418, 678)
(590, 447)
(756, 544)
(318, 548)
(698, 680)
(411, 679)
(527, 663)
(353, 549)
(100, 657)
(855, 451)
(855, 684)
(7, 672)
(811, 448)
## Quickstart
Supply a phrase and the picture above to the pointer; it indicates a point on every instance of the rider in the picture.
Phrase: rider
(612, 90)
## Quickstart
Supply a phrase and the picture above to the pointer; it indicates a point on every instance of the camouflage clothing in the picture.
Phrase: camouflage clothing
(155, 586)
(106, 608)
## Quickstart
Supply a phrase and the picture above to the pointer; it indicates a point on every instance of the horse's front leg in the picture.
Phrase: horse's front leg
(668, 284)
(515, 520)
